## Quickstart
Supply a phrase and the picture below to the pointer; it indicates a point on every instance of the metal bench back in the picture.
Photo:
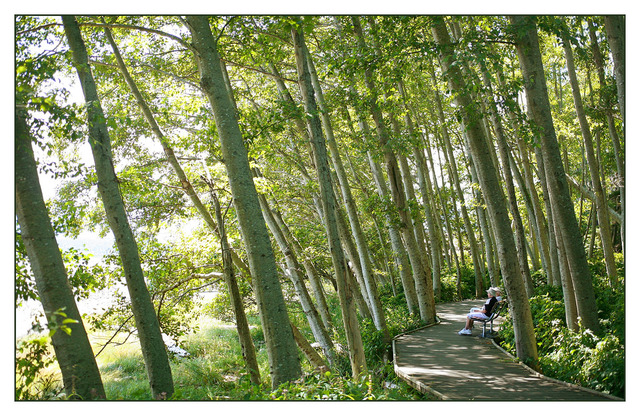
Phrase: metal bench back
(498, 310)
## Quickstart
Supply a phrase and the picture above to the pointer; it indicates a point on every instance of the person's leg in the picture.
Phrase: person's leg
(469, 324)
(478, 315)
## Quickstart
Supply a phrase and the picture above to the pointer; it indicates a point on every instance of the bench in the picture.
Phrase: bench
(497, 310)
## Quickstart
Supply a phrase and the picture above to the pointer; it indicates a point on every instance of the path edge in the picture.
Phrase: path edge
(416, 384)
(547, 378)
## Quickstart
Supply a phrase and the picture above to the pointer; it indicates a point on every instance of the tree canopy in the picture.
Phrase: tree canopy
(335, 176)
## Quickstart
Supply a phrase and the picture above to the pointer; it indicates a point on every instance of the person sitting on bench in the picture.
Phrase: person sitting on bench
(481, 313)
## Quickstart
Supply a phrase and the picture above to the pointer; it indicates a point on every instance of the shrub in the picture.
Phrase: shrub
(329, 386)
(539, 278)
(449, 290)
(33, 356)
(583, 358)
(578, 357)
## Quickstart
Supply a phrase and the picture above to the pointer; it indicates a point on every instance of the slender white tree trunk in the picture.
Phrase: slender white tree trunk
(281, 346)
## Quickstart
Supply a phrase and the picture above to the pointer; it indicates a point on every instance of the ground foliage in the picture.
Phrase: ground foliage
(580, 357)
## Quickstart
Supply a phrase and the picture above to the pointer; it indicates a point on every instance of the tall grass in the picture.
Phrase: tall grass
(215, 370)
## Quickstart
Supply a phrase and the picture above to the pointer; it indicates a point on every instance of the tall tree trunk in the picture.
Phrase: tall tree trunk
(242, 325)
(353, 261)
(601, 203)
(496, 204)
(448, 148)
(426, 192)
(538, 103)
(351, 325)
(447, 219)
(568, 292)
(377, 311)
(538, 247)
(441, 201)
(494, 277)
(508, 180)
(382, 260)
(547, 243)
(319, 331)
(311, 271)
(244, 333)
(281, 346)
(426, 302)
(80, 374)
(557, 253)
(152, 345)
(185, 184)
(613, 133)
(400, 254)
(615, 27)
(360, 289)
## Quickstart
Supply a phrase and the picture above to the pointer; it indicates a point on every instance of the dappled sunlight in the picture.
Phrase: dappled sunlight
(463, 367)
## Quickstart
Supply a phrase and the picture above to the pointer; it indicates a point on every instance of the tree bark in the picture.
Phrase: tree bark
(613, 133)
(185, 184)
(508, 180)
(351, 325)
(311, 271)
(494, 276)
(538, 103)
(314, 358)
(80, 374)
(399, 251)
(360, 290)
(377, 311)
(615, 27)
(422, 281)
(448, 148)
(244, 333)
(152, 345)
(601, 203)
(547, 242)
(281, 346)
(522, 321)
(293, 268)
(401, 256)
(426, 193)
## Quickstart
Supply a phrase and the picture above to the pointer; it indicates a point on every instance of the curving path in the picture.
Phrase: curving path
(438, 361)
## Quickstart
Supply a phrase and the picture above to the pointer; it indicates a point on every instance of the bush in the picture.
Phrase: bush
(610, 302)
(587, 360)
(539, 278)
(578, 357)
(548, 317)
(33, 356)
(449, 289)
(329, 386)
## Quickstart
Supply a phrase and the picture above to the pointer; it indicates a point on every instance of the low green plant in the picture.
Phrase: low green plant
(33, 357)
(449, 288)
(578, 357)
(588, 360)
(329, 386)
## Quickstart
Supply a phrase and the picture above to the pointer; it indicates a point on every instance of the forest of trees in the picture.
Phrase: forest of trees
(331, 178)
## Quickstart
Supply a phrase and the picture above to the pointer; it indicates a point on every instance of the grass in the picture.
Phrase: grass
(215, 371)
(210, 372)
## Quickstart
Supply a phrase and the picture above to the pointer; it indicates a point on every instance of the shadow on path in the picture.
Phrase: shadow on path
(437, 360)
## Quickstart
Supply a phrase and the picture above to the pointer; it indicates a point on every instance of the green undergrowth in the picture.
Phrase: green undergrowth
(580, 357)
(215, 370)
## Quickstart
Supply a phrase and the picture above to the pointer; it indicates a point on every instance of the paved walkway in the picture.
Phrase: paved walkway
(437, 360)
